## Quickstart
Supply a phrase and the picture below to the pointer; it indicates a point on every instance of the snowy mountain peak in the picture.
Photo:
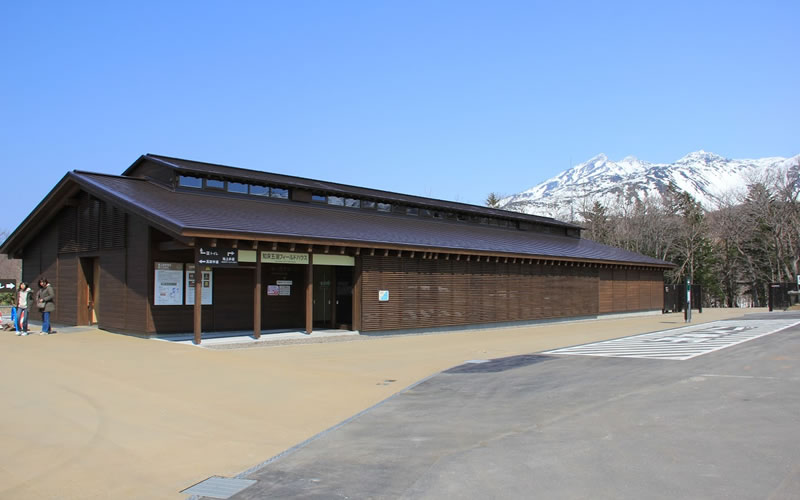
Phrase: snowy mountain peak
(702, 174)
(701, 156)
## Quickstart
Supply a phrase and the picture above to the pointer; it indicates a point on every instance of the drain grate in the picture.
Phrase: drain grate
(499, 364)
(218, 487)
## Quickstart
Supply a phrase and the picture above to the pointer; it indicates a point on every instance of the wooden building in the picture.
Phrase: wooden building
(283, 252)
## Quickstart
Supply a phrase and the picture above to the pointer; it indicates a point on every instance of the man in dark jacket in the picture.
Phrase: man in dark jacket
(46, 302)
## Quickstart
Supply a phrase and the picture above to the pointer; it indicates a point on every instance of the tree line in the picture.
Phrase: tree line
(749, 239)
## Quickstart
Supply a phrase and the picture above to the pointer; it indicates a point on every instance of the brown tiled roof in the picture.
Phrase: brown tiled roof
(195, 214)
(344, 189)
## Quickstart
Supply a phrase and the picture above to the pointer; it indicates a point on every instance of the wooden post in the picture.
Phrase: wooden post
(198, 300)
(357, 295)
(309, 295)
(257, 298)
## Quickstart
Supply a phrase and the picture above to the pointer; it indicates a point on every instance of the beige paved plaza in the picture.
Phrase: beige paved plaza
(99, 415)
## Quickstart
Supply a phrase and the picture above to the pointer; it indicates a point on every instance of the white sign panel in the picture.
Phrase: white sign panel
(383, 295)
(168, 284)
(207, 285)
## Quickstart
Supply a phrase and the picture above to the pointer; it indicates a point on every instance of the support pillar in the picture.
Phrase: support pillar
(309, 295)
(198, 301)
(357, 295)
(257, 298)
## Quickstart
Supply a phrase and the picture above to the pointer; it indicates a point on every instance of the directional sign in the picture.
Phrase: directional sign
(217, 256)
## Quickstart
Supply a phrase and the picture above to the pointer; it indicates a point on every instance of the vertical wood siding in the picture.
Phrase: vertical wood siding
(137, 309)
(430, 293)
(606, 291)
(112, 290)
(67, 289)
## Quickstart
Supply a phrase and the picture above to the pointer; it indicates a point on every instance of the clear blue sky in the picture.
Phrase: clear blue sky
(450, 99)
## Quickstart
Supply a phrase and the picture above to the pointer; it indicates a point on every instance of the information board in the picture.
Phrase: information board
(168, 284)
(208, 285)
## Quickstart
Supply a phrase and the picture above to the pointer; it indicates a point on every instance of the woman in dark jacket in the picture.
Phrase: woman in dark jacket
(46, 302)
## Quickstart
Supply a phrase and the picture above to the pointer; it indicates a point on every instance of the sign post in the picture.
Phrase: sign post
(688, 311)
(198, 301)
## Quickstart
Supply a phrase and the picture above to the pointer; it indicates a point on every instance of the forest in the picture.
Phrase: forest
(735, 250)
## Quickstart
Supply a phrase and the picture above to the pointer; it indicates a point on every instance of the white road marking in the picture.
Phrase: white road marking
(681, 343)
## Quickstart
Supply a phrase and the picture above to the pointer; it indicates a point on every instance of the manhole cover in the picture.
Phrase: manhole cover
(218, 487)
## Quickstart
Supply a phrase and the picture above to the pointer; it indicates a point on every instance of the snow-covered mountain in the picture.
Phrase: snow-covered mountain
(706, 176)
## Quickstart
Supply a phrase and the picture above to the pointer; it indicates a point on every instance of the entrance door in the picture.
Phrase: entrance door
(89, 291)
(344, 297)
(324, 278)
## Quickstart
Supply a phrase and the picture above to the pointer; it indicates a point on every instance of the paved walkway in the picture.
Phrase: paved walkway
(97, 415)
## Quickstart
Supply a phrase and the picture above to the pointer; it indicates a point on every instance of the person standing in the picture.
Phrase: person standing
(24, 304)
(46, 302)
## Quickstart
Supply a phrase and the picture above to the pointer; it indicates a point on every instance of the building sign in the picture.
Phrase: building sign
(283, 282)
(217, 256)
(168, 284)
(207, 285)
(285, 290)
(284, 258)
(334, 260)
(383, 295)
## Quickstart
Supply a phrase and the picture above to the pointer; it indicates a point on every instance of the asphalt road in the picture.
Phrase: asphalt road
(721, 425)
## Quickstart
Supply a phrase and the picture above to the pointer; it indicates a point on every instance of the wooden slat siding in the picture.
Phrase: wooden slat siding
(428, 293)
(283, 311)
(49, 255)
(644, 290)
(67, 291)
(112, 290)
(619, 290)
(606, 291)
(656, 281)
(32, 260)
(233, 299)
(632, 296)
(137, 309)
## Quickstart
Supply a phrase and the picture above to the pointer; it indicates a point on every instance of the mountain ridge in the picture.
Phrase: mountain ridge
(705, 175)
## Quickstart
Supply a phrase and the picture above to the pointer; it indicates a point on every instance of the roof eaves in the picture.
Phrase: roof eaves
(16, 240)
(207, 232)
